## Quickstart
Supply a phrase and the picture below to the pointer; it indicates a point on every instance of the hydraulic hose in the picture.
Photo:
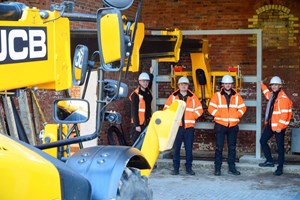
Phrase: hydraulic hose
(11, 11)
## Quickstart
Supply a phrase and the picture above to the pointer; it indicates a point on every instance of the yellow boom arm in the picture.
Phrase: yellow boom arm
(161, 133)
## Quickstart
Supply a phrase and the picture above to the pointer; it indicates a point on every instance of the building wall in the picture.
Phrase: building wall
(281, 51)
(279, 21)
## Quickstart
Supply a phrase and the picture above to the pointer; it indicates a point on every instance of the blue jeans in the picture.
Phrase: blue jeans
(187, 136)
(220, 132)
(265, 137)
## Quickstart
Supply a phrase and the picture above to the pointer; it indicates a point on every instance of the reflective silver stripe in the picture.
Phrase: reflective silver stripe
(265, 91)
(241, 112)
(213, 104)
(141, 110)
(276, 112)
(214, 112)
(189, 121)
(285, 111)
(284, 122)
(199, 107)
(234, 119)
(190, 109)
(166, 106)
(228, 119)
(197, 112)
(193, 100)
(232, 106)
(274, 124)
(222, 106)
(219, 97)
(221, 119)
(173, 98)
(241, 106)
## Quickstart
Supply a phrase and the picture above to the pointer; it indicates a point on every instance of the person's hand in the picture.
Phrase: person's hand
(138, 129)
(151, 69)
(262, 81)
(278, 130)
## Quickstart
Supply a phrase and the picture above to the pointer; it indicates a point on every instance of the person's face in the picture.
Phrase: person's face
(144, 83)
(275, 87)
(227, 86)
(183, 86)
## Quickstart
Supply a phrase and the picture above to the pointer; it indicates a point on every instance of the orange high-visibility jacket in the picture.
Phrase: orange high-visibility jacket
(224, 115)
(142, 107)
(282, 112)
(193, 108)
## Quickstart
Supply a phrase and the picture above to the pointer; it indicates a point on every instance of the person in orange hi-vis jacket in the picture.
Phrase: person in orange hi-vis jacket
(193, 111)
(277, 118)
(227, 107)
(140, 100)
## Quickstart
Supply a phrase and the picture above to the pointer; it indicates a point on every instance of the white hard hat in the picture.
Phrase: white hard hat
(183, 80)
(227, 79)
(275, 80)
(144, 76)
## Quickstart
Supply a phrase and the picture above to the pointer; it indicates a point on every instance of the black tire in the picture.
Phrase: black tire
(115, 137)
(133, 186)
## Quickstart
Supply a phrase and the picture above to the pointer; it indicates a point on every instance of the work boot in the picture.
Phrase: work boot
(190, 172)
(278, 172)
(233, 171)
(217, 172)
(175, 172)
(266, 164)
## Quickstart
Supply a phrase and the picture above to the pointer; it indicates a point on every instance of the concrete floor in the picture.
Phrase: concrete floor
(254, 183)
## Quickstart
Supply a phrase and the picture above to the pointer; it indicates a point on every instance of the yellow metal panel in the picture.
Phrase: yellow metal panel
(52, 70)
(178, 34)
(161, 132)
(110, 38)
(138, 40)
(25, 174)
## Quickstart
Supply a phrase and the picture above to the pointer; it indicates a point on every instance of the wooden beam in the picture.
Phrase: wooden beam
(13, 132)
(2, 123)
(26, 117)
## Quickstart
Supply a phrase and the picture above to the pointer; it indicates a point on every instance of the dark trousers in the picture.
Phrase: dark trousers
(220, 132)
(265, 137)
(187, 136)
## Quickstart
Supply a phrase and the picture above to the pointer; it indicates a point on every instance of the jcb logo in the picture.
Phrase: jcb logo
(22, 44)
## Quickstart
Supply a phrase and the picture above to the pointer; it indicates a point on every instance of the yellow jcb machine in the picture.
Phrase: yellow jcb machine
(35, 52)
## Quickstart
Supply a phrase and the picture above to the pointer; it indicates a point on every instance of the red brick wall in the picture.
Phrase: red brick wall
(224, 51)
(231, 50)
